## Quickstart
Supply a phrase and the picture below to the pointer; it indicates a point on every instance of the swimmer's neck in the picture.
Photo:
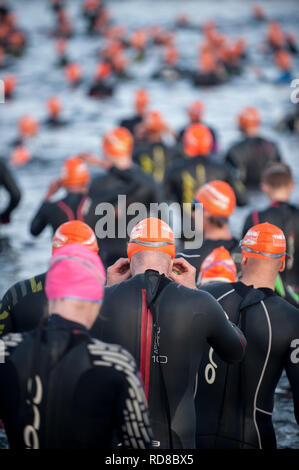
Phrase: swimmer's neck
(258, 282)
(217, 233)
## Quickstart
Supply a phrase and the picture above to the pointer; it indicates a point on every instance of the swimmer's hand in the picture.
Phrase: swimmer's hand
(93, 160)
(183, 273)
(118, 272)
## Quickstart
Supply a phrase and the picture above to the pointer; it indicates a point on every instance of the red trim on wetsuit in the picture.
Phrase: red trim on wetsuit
(255, 217)
(145, 343)
(79, 210)
(69, 212)
(66, 209)
(275, 204)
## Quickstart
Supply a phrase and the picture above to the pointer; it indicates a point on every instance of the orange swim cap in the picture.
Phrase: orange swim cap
(73, 72)
(118, 143)
(207, 62)
(28, 126)
(74, 232)
(74, 172)
(103, 71)
(264, 241)
(54, 106)
(197, 140)
(275, 34)
(283, 60)
(20, 156)
(171, 55)
(153, 122)
(120, 62)
(195, 111)
(249, 117)
(10, 83)
(139, 39)
(218, 267)
(151, 234)
(16, 39)
(258, 12)
(91, 5)
(218, 198)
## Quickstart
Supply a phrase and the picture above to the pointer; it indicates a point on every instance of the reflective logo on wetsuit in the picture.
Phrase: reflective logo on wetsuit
(295, 354)
(157, 358)
(210, 370)
(31, 430)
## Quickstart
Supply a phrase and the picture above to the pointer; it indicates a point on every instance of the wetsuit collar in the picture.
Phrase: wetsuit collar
(60, 322)
(251, 295)
(155, 283)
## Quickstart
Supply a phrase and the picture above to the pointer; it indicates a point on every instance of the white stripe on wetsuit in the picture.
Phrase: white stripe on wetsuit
(262, 375)
(224, 295)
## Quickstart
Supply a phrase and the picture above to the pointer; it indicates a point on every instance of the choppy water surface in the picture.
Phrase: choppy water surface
(38, 78)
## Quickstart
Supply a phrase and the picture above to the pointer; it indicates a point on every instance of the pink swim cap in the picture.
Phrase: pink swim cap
(75, 272)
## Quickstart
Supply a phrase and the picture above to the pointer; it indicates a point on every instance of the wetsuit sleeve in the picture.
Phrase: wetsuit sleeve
(171, 186)
(6, 324)
(40, 220)
(230, 158)
(239, 188)
(292, 370)
(224, 337)
(10, 185)
(134, 429)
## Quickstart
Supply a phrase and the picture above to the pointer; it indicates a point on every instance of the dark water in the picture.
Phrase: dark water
(39, 79)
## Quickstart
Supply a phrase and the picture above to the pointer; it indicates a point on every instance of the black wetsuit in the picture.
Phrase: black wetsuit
(213, 132)
(188, 174)
(55, 122)
(155, 158)
(209, 79)
(60, 388)
(285, 216)
(7, 181)
(234, 403)
(23, 306)
(131, 123)
(290, 122)
(101, 89)
(165, 326)
(106, 188)
(57, 213)
(251, 156)
(197, 256)
(91, 16)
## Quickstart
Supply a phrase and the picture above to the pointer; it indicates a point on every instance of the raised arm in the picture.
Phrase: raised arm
(224, 337)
